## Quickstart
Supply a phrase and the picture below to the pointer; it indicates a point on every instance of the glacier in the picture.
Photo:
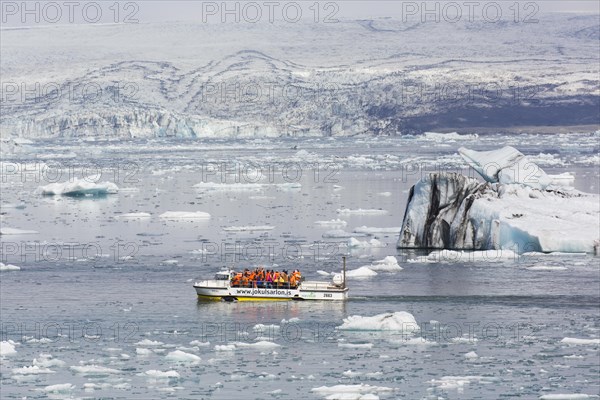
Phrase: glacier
(387, 76)
(452, 211)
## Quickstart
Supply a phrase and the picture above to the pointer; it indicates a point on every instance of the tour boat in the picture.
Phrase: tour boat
(220, 288)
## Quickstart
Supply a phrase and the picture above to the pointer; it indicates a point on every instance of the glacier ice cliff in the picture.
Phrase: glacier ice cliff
(384, 77)
(452, 211)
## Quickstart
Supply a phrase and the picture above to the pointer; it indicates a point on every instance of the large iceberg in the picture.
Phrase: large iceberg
(510, 211)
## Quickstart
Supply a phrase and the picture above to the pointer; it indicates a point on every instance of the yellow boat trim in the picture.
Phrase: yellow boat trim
(219, 298)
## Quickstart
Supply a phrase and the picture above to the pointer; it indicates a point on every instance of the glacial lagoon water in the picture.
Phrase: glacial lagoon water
(103, 304)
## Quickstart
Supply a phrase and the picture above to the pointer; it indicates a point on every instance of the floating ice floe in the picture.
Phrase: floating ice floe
(332, 222)
(362, 272)
(579, 341)
(199, 343)
(400, 321)
(47, 361)
(451, 256)
(364, 244)
(60, 388)
(568, 396)
(8, 267)
(228, 186)
(148, 342)
(351, 392)
(225, 347)
(7, 348)
(448, 137)
(156, 374)
(32, 370)
(337, 234)
(373, 231)
(356, 345)
(14, 231)
(140, 351)
(458, 382)
(262, 344)
(184, 215)
(448, 210)
(546, 268)
(134, 215)
(248, 228)
(94, 370)
(183, 357)
(77, 188)
(360, 211)
(390, 263)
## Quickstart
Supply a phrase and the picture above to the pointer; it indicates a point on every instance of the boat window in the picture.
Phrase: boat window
(222, 277)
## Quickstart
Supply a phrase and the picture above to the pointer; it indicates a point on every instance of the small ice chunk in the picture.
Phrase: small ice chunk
(59, 388)
(7, 348)
(94, 370)
(568, 396)
(390, 263)
(156, 374)
(199, 343)
(362, 272)
(356, 345)
(14, 231)
(448, 137)
(263, 344)
(8, 267)
(248, 228)
(337, 234)
(183, 357)
(349, 391)
(148, 342)
(32, 370)
(184, 215)
(228, 186)
(547, 268)
(570, 340)
(458, 382)
(332, 222)
(134, 215)
(360, 211)
(143, 352)
(373, 230)
(399, 321)
(78, 188)
(452, 256)
(225, 347)
(355, 243)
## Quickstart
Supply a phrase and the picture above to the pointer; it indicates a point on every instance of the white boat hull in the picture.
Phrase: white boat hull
(215, 290)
